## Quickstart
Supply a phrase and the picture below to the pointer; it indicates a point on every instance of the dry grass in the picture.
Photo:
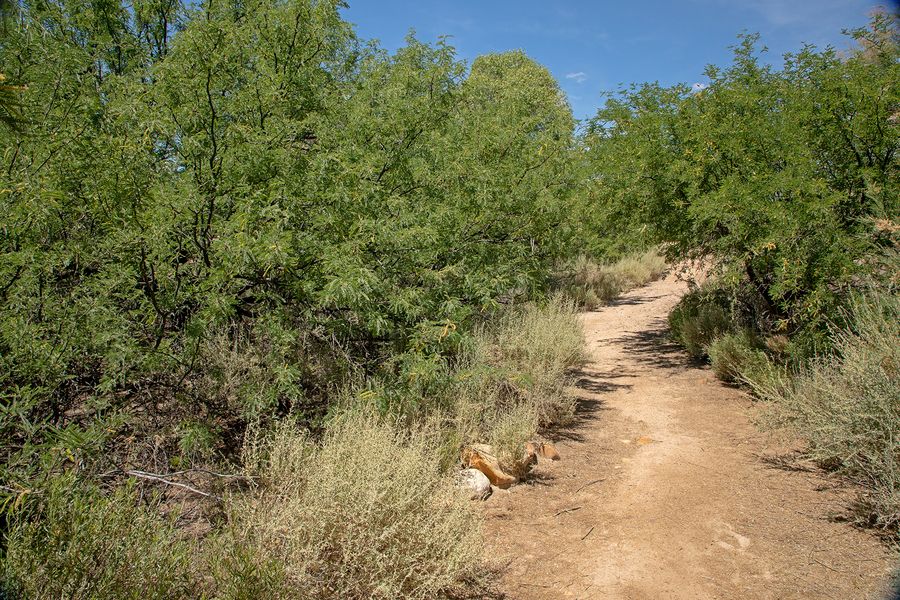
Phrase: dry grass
(540, 346)
(365, 514)
(514, 381)
(508, 435)
(592, 284)
(638, 269)
(848, 406)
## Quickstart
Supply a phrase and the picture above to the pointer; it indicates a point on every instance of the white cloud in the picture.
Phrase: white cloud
(579, 77)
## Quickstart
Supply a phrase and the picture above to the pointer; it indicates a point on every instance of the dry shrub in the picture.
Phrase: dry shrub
(591, 284)
(848, 406)
(254, 372)
(480, 396)
(539, 347)
(508, 435)
(365, 514)
(513, 381)
(80, 544)
(638, 269)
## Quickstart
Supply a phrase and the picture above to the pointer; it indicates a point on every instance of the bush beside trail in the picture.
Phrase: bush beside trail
(847, 406)
(369, 508)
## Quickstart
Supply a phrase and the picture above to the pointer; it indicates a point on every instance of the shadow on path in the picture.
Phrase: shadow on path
(587, 407)
(654, 348)
(601, 382)
(633, 300)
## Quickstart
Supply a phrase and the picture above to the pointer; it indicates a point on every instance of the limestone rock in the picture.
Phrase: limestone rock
(476, 481)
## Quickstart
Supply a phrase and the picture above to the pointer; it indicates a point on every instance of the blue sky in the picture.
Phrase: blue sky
(593, 47)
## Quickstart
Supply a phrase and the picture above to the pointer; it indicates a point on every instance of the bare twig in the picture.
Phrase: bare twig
(590, 483)
(155, 477)
(827, 566)
(204, 471)
(584, 537)
(223, 475)
(566, 510)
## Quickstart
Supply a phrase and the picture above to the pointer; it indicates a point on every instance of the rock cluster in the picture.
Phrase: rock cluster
(482, 469)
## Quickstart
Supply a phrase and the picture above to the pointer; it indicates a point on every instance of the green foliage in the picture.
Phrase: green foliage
(219, 214)
(784, 184)
(698, 319)
(776, 177)
(230, 210)
(848, 405)
(197, 439)
(736, 356)
(76, 543)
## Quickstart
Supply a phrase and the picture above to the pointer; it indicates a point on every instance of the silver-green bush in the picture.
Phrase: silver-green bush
(848, 405)
(735, 356)
(366, 513)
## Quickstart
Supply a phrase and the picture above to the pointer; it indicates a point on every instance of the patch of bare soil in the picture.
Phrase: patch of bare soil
(667, 490)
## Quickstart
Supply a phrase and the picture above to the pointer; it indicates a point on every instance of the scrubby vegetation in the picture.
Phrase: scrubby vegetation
(736, 355)
(261, 282)
(80, 543)
(782, 186)
(848, 404)
(367, 513)
(366, 508)
(592, 284)
(700, 317)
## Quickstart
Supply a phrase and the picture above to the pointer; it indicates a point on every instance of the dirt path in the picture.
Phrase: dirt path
(664, 490)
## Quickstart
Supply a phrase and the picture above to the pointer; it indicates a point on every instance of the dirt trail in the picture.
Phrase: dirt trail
(667, 490)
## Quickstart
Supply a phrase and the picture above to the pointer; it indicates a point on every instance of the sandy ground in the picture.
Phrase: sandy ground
(667, 490)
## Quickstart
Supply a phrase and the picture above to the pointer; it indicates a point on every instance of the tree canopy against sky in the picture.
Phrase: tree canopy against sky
(592, 47)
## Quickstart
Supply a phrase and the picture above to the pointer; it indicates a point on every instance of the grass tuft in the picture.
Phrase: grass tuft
(365, 514)
(848, 406)
(591, 284)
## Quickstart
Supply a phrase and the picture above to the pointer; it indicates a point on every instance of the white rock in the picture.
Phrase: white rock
(476, 481)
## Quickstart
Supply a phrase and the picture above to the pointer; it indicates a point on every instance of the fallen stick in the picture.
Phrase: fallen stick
(827, 566)
(567, 510)
(154, 477)
(584, 537)
(590, 483)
